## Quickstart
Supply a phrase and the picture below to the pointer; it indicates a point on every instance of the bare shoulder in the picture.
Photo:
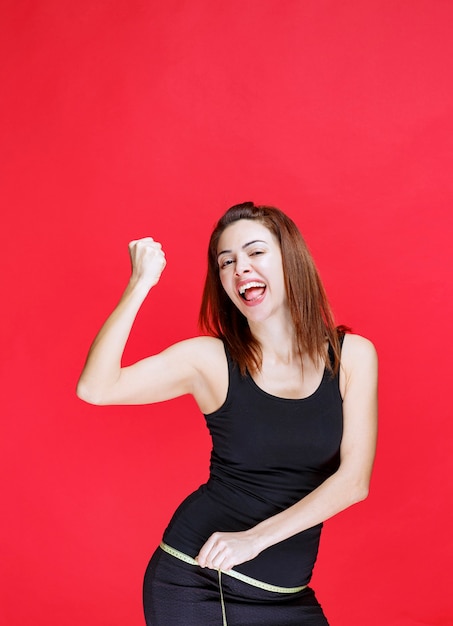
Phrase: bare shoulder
(358, 358)
(207, 355)
(203, 351)
(195, 357)
(356, 349)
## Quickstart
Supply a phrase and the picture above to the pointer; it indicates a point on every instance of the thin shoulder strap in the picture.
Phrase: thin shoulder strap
(341, 335)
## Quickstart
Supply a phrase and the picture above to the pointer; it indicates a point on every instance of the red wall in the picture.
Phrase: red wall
(127, 118)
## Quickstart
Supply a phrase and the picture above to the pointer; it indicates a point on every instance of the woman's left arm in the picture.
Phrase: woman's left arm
(349, 484)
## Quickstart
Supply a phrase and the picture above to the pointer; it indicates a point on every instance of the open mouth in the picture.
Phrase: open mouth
(252, 290)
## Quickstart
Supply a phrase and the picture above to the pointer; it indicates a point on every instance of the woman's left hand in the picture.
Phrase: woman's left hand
(225, 550)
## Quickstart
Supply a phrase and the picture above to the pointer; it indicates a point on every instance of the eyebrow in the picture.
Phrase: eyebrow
(246, 245)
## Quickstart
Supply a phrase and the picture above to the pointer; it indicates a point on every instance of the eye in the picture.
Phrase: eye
(225, 263)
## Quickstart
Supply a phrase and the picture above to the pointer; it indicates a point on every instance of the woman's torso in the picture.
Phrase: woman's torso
(268, 453)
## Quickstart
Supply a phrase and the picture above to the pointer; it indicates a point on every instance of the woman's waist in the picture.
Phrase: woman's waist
(289, 562)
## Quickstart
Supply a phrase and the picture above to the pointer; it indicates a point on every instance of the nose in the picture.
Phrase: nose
(242, 265)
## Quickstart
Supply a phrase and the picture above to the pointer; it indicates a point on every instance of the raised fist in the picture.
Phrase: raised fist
(147, 259)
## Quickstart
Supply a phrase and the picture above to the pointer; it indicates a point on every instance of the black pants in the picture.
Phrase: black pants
(178, 594)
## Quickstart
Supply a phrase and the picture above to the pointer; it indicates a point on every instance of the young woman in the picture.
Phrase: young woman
(291, 405)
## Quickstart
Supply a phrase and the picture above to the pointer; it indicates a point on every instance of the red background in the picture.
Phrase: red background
(130, 117)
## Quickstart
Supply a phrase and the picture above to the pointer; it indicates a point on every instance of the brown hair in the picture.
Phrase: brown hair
(309, 308)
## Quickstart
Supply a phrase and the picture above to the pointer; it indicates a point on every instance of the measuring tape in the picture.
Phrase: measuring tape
(233, 574)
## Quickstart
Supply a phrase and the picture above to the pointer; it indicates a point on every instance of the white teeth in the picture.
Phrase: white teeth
(253, 283)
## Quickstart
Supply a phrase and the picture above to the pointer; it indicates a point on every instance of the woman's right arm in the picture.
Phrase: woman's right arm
(160, 377)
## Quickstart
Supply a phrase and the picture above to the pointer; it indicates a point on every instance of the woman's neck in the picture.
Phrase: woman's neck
(277, 340)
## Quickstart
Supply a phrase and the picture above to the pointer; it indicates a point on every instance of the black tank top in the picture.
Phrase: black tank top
(268, 453)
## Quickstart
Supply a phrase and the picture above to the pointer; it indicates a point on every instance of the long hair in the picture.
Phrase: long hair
(308, 304)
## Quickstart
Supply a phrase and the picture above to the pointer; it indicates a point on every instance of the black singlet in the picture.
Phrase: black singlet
(268, 453)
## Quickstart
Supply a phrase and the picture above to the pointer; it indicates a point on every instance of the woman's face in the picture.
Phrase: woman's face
(251, 270)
